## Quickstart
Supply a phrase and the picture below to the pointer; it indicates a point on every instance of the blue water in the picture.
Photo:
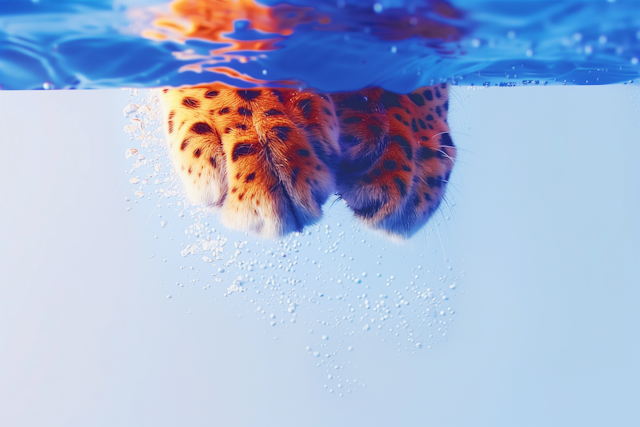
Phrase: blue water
(98, 44)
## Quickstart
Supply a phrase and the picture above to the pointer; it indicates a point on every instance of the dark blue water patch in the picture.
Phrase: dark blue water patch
(95, 44)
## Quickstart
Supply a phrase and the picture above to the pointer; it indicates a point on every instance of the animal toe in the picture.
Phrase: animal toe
(397, 156)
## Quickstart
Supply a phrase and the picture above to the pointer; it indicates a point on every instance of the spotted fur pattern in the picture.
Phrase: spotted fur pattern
(397, 156)
(268, 159)
(265, 158)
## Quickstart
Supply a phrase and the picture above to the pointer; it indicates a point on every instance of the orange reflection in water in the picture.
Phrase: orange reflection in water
(212, 20)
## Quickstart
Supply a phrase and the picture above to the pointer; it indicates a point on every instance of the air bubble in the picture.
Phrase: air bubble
(130, 153)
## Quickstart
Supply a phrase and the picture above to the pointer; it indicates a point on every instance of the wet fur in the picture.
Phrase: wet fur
(268, 159)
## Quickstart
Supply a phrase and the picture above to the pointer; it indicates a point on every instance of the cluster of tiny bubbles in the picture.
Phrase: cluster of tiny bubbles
(338, 285)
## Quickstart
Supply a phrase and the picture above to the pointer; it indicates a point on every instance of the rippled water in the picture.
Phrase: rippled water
(329, 45)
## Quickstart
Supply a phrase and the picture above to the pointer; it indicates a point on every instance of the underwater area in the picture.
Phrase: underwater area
(122, 303)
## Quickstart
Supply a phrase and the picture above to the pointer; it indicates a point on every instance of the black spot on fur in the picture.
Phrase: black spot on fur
(304, 153)
(354, 119)
(431, 182)
(435, 89)
(248, 95)
(278, 95)
(427, 196)
(414, 126)
(273, 112)
(250, 177)
(406, 168)
(240, 196)
(201, 128)
(327, 111)
(184, 144)
(404, 144)
(369, 209)
(213, 162)
(197, 153)
(417, 99)
(445, 140)
(375, 130)
(428, 95)
(242, 149)
(350, 140)
(329, 159)
(390, 165)
(429, 117)
(415, 200)
(390, 99)
(398, 117)
(294, 176)
(446, 105)
(170, 126)
(305, 106)
(282, 132)
(425, 153)
(211, 93)
(241, 126)
(356, 102)
(224, 110)
(402, 187)
(190, 102)
(422, 124)
(439, 111)
(244, 111)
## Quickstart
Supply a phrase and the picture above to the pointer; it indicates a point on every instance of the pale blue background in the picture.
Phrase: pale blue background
(547, 331)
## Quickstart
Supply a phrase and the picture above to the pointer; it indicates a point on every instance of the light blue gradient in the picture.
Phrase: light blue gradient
(547, 327)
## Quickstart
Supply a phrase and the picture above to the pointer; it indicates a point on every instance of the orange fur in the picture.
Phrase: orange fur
(397, 156)
(266, 157)
(269, 158)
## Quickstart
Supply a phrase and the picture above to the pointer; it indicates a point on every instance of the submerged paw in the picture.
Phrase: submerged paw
(265, 158)
(397, 156)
